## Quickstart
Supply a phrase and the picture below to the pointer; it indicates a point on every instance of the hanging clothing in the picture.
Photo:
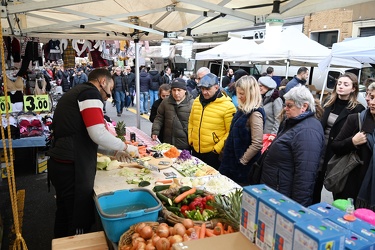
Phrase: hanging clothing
(30, 51)
(54, 50)
(97, 59)
(16, 50)
(69, 55)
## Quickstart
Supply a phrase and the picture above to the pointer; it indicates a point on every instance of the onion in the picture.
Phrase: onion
(163, 244)
(139, 227)
(150, 247)
(155, 238)
(162, 231)
(188, 223)
(135, 235)
(171, 231)
(175, 239)
(186, 237)
(189, 231)
(146, 232)
(179, 229)
(141, 246)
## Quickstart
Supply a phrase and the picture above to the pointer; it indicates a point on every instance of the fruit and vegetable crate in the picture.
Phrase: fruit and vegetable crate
(187, 202)
(126, 238)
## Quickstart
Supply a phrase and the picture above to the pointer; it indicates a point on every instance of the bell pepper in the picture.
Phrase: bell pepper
(197, 204)
(183, 210)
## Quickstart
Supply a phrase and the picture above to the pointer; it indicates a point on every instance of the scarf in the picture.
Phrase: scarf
(205, 102)
(366, 195)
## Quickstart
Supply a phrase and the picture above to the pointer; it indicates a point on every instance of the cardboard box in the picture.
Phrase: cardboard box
(222, 242)
(286, 217)
(266, 223)
(90, 241)
(325, 209)
(318, 235)
(41, 162)
(362, 228)
(354, 241)
(249, 208)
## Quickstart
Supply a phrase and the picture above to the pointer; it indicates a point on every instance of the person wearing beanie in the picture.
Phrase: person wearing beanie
(173, 115)
(209, 121)
(272, 105)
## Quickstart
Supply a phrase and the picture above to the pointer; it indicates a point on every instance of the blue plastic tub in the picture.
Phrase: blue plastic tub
(121, 209)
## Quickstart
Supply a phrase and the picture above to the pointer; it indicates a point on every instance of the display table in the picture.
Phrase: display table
(39, 159)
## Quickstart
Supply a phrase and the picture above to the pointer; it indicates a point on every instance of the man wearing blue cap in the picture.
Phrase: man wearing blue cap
(209, 121)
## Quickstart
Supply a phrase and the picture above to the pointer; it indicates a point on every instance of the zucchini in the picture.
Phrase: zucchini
(199, 192)
(144, 184)
(160, 188)
(173, 209)
(164, 198)
(184, 189)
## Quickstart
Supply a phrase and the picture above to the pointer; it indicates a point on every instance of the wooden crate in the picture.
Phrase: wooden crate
(92, 241)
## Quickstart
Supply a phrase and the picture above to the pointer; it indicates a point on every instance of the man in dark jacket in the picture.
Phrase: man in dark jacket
(300, 78)
(120, 89)
(145, 83)
(155, 84)
(78, 129)
(130, 83)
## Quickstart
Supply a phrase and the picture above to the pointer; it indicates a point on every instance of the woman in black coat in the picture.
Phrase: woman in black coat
(342, 102)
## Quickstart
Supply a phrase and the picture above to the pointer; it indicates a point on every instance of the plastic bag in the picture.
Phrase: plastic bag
(267, 140)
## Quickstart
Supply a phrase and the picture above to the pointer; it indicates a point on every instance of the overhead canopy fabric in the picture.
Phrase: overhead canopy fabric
(122, 19)
(293, 45)
(229, 49)
(358, 51)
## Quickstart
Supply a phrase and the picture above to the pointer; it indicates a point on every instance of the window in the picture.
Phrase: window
(327, 38)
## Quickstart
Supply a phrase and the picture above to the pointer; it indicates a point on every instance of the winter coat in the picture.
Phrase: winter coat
(272, 105)
(79, 79)
(292, 162)
(336, 128)
(343, 144)
(144, 81)
(130, 80)
(64, 77)
(293, 83)
(155, 80)
(120, 83)
(237, 145)
(174, 126)
(209, 126)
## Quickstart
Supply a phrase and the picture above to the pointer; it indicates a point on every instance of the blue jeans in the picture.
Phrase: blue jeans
(143, 102)
(153, 96)
(120, 101)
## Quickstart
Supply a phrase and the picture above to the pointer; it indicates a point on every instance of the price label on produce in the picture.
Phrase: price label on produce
(36, 103)
(4, 102)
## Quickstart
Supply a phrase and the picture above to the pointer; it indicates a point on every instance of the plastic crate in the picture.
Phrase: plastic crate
(121, 209)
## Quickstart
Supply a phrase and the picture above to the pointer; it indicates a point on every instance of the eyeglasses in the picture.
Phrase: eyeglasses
(288, 105)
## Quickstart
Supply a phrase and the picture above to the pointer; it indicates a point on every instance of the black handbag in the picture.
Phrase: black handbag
(339, 167)
(256, 169)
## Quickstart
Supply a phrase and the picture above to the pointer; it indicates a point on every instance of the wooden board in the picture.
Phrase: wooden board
(90, 241)
(156, 161)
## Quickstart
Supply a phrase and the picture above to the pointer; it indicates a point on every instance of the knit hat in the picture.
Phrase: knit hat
(267, 82)
(178, 83)
(239, 73)
(208, 81)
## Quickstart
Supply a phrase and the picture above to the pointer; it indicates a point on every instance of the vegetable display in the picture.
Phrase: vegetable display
(172, 152)
(162, 236)
(187, 202)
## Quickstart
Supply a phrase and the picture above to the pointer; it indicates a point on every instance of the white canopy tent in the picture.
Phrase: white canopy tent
(359, 52)
(229, 49)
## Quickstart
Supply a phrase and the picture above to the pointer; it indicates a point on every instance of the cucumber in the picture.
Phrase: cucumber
(199, 192)
(144, 184)
(173, 209)
(184, 189)
(164, 198)
(160, 188)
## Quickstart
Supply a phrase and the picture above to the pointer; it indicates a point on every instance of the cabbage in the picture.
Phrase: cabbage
(115, 164)
(102, 162)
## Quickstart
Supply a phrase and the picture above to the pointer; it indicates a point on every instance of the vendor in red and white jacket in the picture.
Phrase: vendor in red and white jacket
(78, 128)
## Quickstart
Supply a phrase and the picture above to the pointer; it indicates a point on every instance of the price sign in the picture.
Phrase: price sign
(3, 103)
(36, 103)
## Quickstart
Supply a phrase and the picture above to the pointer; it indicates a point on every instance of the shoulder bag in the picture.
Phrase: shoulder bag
(339, 167)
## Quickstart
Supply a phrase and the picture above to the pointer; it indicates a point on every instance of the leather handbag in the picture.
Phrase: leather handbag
(339, 167)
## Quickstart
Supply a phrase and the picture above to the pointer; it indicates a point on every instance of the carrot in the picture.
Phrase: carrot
(209, 233)
(198, 232)
(165, 181)
(141, 147)
(202, 233)
(230, 229)
(221, 227)
(217, 230)
(182, 196)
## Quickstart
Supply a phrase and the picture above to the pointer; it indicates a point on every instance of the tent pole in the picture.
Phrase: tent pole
(359, 74)
(287, 69)
(324, 85)
(221, 73)
(137, 85)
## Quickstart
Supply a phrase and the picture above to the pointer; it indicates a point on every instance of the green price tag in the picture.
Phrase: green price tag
(3, 103)
(36, 103)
